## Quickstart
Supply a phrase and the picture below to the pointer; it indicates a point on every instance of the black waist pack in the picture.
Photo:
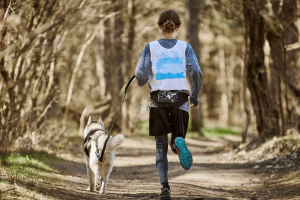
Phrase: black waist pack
(167, 96)
(172, 100)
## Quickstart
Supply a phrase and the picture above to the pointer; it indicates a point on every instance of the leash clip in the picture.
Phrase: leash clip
(97, 153)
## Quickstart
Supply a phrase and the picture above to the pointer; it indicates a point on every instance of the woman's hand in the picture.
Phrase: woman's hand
(193, 105)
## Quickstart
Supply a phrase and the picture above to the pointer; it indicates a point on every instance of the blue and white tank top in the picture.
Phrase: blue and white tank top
(168, 67)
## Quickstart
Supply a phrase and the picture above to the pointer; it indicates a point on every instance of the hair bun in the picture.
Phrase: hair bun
(169, 20)
(169, 26)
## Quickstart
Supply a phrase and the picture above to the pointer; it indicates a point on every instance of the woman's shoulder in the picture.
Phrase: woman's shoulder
(153, 42)
(183, 44)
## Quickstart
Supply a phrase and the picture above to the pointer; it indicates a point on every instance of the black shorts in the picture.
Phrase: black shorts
(177, 122)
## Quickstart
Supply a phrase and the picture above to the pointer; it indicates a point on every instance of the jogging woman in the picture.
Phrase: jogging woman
(166, 61)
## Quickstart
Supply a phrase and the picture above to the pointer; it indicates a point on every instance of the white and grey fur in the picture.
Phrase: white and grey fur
(98, 173)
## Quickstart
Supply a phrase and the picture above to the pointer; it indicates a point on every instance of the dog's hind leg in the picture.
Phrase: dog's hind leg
(105, 172)
(96, 171)
(90, 176)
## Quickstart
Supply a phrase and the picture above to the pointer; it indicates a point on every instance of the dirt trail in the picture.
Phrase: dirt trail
(135, 177)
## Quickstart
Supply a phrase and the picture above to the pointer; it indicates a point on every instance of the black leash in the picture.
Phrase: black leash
(103, 150)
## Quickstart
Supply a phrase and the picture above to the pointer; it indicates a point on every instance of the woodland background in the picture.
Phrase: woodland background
(63, 60)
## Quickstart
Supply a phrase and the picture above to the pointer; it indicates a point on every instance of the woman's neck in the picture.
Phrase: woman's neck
(168, 35)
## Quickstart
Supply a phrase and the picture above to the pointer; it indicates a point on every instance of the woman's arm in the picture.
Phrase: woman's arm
(144, 67)
(195, 72)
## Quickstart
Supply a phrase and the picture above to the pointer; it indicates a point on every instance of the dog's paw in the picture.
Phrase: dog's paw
(90, 189)
(98, 186)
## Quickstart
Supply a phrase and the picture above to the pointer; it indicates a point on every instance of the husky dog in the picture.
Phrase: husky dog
(98, 173)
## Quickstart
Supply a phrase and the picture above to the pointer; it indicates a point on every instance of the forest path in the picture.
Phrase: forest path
(135, 176)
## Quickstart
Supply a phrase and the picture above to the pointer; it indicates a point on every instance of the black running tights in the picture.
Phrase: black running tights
(162, 164)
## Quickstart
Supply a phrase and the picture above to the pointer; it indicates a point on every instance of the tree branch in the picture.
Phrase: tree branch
(78, 62)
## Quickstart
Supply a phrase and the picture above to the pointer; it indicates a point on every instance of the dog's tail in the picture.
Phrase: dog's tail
(114, 142)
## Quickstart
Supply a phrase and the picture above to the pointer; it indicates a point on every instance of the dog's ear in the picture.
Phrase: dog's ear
(90, 120)
(100, 121)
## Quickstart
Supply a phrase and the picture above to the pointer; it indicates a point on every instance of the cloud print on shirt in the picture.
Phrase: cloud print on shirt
(170, 67)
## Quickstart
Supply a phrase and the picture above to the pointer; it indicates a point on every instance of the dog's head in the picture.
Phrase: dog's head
(93, 125)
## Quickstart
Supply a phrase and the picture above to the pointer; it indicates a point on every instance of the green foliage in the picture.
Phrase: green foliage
(143, 125)
(143, 129)
(219, 132)
(63, 146)
(275, 31)
(25, 167)
(26, 171)
(195, 135)
(74, 124)
(207, 132)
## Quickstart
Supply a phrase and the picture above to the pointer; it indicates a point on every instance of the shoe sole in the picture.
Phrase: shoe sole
(185, 156)
(165, 198)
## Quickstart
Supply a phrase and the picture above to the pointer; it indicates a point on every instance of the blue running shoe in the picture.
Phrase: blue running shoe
(185, 156)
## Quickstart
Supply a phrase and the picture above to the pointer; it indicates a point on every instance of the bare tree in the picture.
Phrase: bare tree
(192, 24)
(127, 124)
(269, 95)
(30, 46)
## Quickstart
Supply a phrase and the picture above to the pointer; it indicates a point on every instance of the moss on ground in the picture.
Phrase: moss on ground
(24, 174)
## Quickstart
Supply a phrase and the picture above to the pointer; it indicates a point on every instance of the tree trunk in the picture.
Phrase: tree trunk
(192, 24)
(279, 34)
(256, 73)
(291, 35)
(245, 103)
(224, 100)
(127, 123)
(277, 55)
(117, 60)
(109, 61)
(100, 58)
(119, 50)
(230, 76)
(100, 64)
